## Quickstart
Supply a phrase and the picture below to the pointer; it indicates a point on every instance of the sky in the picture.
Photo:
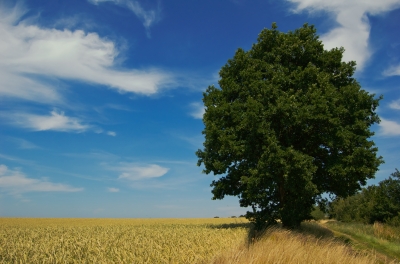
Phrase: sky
(101, 100)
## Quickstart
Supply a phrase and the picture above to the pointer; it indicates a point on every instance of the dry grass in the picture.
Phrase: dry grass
(277, 245)
(382, 238)
(386, 232)
(117, 240)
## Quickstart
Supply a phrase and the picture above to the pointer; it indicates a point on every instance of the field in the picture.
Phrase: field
(221, 240)
(117, 240)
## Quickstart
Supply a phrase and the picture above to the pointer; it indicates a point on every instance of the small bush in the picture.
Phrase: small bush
(317, 213)
(394, 221)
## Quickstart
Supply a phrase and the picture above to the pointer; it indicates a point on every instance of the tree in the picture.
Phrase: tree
(351, 209)
(288, 123)
(376, 203)
(386, 197)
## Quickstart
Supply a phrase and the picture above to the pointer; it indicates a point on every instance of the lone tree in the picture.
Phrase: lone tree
(287, 124)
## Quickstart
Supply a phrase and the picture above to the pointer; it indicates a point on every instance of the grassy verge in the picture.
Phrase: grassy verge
(312, 244)
(381, 239)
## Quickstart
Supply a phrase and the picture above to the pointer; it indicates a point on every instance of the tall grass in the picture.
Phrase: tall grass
(387, 232)
(381, 237)
(277, 245)
(374, 232)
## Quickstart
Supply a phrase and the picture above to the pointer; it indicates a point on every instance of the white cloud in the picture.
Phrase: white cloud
(31, 56)
(197, 110)
(22, 143)
(195, 141)
(111, 189)
(389, 128)
(392, 71)
(15, 182)
(56, 121)
(134, 172)
(111, 133)
(148, 17)
(395, 104)
(353, 28)
(16, 85)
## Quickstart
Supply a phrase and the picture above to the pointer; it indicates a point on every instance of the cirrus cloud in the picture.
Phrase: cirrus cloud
(31, 56)
(395, 104)
(392, 71)
(134, 172)
(112, 189)
(148, 17)
(111, 133)
(15, 182)
(56, 121)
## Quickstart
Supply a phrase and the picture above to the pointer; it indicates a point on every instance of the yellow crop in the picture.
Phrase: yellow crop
(117, 240)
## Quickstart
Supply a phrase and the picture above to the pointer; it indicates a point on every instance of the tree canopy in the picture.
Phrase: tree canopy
(288, 123)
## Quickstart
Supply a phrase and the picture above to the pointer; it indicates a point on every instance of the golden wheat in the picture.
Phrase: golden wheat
(117, 240)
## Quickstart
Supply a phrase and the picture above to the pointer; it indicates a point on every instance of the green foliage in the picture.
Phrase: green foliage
(377, 203)
(347, 209)
(317, 213)
(287, 124)
(386, 199)
(394, 221)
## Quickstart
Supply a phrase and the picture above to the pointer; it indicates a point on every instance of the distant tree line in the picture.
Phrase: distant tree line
(376, 203)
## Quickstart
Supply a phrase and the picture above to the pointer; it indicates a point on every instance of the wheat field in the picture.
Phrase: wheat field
(220, 240)
(117, 240)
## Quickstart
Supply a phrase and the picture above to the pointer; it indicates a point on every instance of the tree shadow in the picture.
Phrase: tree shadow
(230, 225)
(314, 229)
(307, 228)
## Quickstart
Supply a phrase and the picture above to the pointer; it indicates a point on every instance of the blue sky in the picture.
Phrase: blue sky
(100, 100)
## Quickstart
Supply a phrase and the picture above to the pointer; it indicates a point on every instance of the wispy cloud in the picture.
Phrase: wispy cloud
(195, 140)
(113, 190)
(111, 133)
(56, 121)
(197, 110)
(134, 172)
(15, 182)
(389, 128)
(32, 57)
(94, 155)
(353, 28)
(395, 104)
(392, 71)
(148, 17)
(152, 175)
(22, 143)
